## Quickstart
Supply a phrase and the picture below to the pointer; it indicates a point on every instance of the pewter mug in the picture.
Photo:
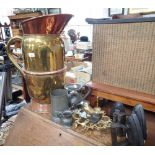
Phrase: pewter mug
(59, 101)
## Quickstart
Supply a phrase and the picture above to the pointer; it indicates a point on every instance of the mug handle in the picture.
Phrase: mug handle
(10, 55)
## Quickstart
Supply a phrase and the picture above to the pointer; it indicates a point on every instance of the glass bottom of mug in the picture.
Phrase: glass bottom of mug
(40, 108)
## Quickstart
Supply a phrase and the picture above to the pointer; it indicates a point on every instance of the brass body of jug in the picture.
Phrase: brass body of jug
(43, 54)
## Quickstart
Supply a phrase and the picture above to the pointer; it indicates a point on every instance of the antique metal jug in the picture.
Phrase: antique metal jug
(75, 97)
(43, 54)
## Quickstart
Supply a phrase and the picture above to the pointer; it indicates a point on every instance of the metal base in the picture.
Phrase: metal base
(40, 108)
(56, 119)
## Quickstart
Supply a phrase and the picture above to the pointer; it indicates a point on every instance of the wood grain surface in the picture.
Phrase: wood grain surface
(37, 129)
(128, 97)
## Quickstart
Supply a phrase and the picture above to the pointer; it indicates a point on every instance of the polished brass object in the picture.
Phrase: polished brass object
(102, 124)
(43, 53)
(90, 110)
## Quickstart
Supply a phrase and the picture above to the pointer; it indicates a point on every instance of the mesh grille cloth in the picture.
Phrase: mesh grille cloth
(124, 55)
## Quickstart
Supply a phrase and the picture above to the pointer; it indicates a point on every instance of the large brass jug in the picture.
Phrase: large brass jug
(43, 54)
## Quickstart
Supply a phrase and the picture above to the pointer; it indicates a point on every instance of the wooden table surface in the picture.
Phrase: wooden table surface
(31, 128)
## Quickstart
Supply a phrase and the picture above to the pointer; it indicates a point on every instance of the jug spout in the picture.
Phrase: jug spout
(48, 24)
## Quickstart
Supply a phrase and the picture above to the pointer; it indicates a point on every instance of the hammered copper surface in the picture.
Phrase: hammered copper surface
(48, 24)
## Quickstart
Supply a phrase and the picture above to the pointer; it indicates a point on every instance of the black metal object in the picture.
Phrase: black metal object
(2, 92)
(134, 131)
(117, 106)
(118, 128)
(116, 21)
(139, 111)
(131, 129)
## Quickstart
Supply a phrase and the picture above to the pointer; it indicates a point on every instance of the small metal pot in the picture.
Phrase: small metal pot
(66, 118)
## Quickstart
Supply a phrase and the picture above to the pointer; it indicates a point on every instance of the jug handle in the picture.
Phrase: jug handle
(10, 55)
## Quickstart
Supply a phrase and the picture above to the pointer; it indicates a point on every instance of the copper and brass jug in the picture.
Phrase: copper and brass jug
(43, 54)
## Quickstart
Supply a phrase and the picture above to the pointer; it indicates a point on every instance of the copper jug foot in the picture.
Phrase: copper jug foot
(40, 108)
